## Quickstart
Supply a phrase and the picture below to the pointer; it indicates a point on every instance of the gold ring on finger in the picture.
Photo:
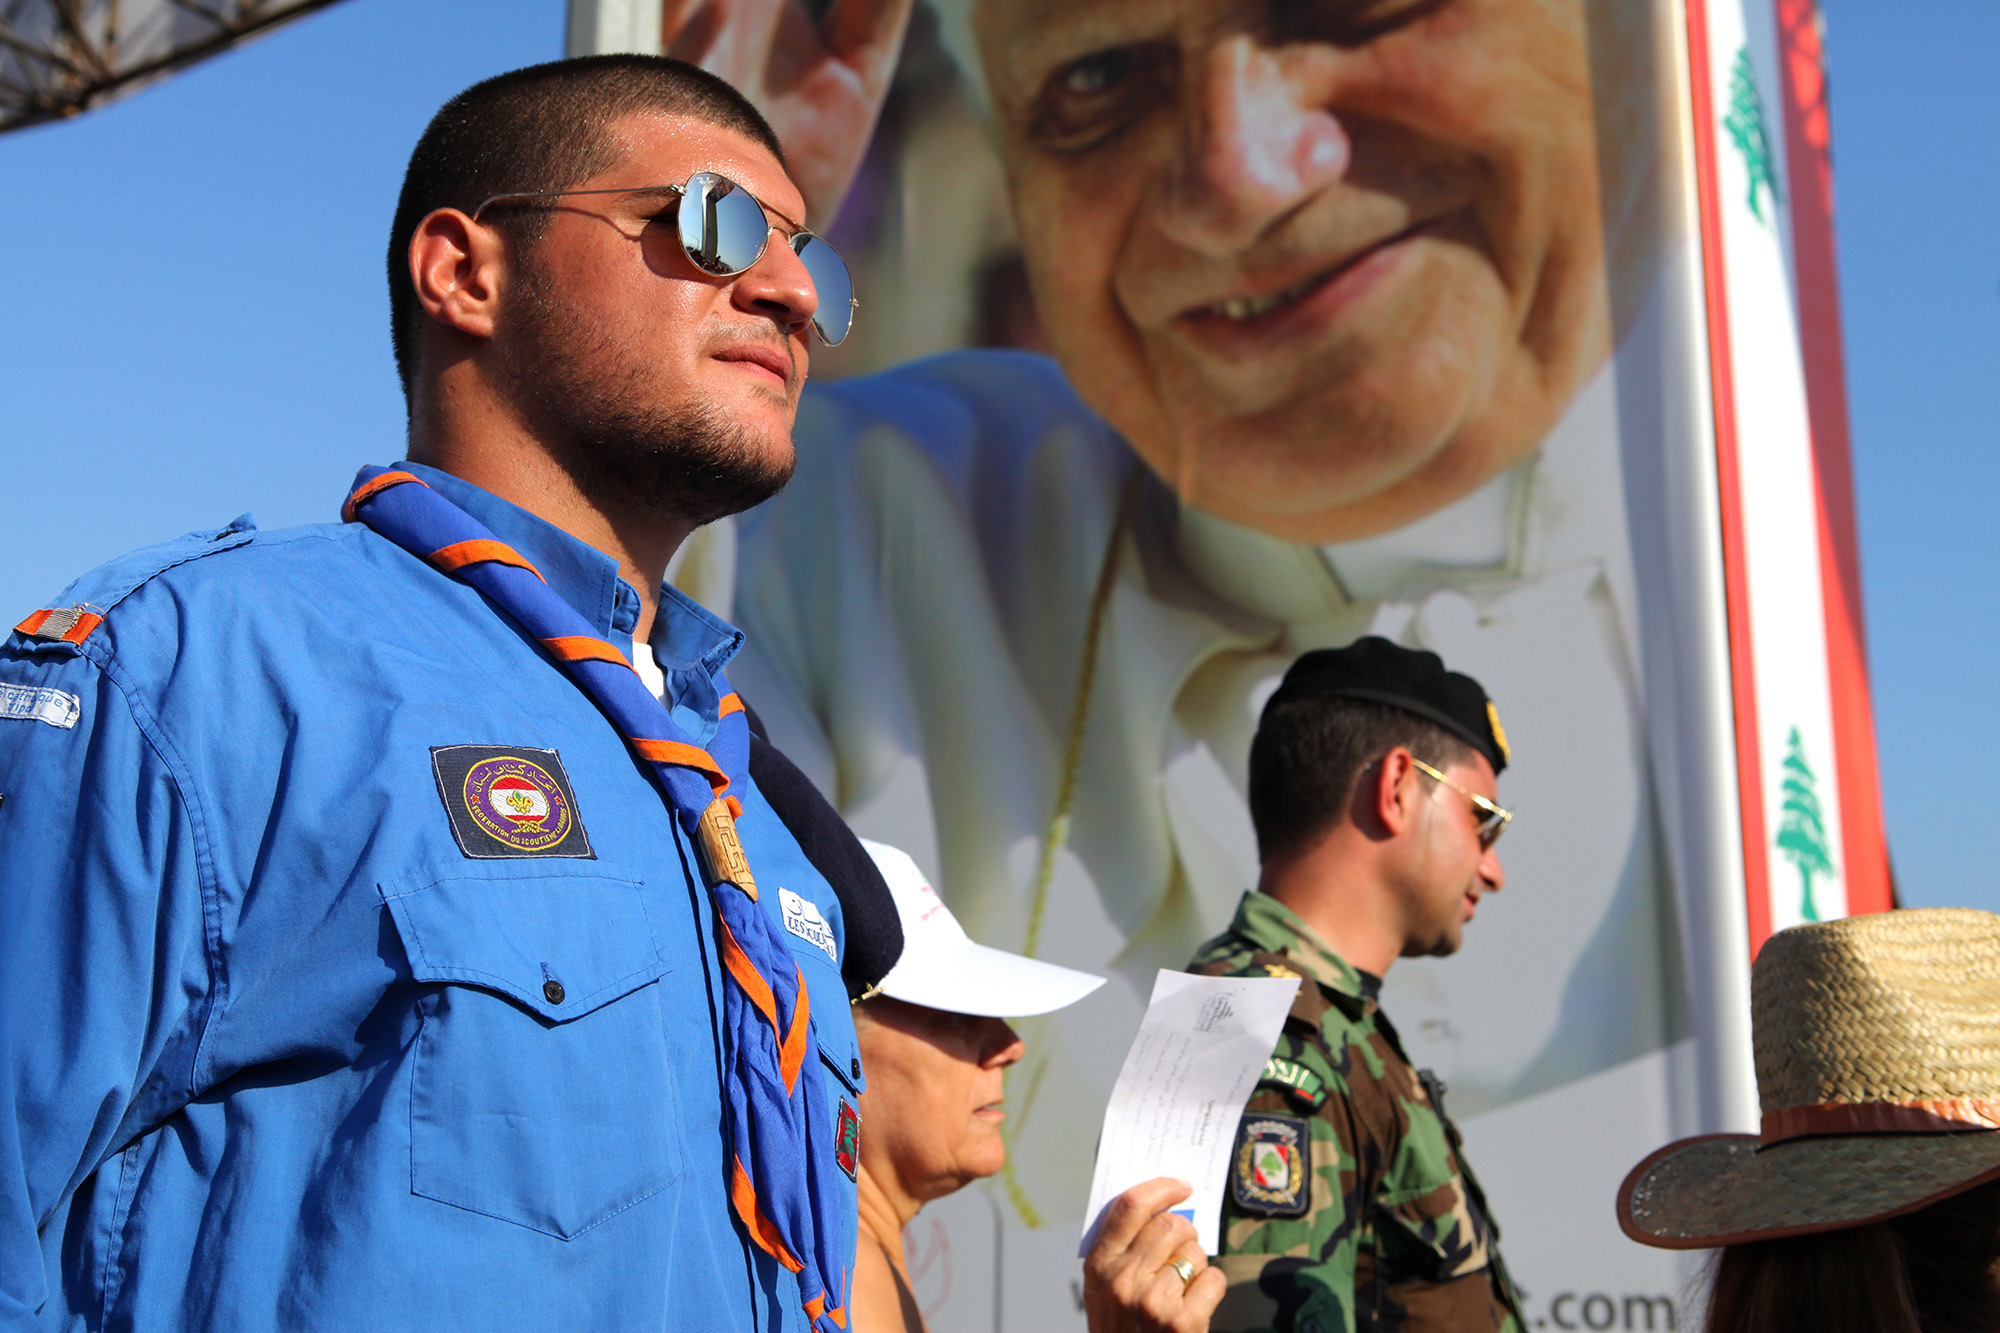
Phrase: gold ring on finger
(1184, 1268)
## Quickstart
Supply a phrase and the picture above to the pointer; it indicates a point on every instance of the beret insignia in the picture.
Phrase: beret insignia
(1499, 732)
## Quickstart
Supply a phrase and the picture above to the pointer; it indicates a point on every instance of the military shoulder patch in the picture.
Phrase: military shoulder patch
(1299, 1083)
(509, 801)
(1272, 1170)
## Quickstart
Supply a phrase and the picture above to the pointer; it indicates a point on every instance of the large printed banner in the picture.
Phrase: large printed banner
(1198, 333)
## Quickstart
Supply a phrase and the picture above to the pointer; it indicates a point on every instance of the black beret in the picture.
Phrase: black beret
(1407, 678)
(874, 930)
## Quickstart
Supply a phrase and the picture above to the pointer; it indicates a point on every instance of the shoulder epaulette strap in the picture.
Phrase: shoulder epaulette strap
(63, 624)
(90, 599)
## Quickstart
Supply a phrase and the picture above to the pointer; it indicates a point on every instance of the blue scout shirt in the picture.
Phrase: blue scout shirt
(281, 1045)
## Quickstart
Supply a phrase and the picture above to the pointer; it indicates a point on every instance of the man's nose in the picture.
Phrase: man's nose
(778, 287)
(1491, 873)
(1256, 141)
(1002, 1044)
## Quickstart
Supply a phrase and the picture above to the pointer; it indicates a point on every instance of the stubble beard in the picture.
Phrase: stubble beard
(594, 401)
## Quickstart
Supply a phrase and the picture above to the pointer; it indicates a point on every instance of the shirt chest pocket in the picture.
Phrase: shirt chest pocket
(541, 1087)
(1437, 1232)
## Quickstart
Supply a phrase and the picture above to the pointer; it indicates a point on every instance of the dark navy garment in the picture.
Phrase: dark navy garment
(279, 1049)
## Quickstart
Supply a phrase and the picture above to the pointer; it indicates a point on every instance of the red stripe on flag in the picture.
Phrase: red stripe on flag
(1808, 158)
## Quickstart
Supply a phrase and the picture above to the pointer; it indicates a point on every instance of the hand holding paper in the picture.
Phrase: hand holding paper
(1175, 1107)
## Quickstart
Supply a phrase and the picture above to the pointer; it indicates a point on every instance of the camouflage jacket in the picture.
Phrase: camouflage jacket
(1348, 1206)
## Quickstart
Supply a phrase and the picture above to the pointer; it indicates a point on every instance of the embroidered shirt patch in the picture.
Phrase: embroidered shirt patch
(1272, 1170)
(40, 703)
(509, 801)
(1298, 1082)
(803, 919)
(847, 1139)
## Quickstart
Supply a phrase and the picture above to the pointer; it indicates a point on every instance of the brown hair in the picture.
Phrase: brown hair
(540, 128)
(1309, 753)
(1931, 1271)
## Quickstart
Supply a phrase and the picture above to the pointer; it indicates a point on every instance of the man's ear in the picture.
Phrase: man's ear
(456, 265)
(1393, 790)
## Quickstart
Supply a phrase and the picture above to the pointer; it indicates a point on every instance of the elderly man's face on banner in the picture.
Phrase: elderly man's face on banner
(1328, 265)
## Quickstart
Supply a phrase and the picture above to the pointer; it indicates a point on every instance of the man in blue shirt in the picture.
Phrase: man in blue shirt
(353, 971)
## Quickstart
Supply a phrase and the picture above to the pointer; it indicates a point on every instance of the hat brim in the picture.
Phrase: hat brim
(993, 983)
(1723, 1189)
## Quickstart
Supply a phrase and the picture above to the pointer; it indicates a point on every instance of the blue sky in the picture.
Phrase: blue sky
(192, 324)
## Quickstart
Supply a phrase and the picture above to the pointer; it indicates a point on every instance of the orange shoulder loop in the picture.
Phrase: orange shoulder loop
(368, 490)
(66, 624)
(732, 702)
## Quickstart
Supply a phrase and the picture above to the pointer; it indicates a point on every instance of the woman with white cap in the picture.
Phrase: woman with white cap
(934, 1043)
(1871, 1200)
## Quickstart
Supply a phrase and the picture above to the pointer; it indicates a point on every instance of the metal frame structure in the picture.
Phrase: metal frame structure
(62, 57)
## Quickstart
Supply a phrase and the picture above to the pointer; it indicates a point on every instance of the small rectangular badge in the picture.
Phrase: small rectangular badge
(509, 800)
(39, 703)
(847, 1140)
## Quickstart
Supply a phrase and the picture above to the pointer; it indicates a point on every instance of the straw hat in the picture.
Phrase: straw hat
(1877, 1043)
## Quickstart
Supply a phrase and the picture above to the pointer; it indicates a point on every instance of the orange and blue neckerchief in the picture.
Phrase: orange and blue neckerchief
(781, 1175)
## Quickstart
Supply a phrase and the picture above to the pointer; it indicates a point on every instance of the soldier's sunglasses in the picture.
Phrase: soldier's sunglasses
(1487, 817)
(723, 229)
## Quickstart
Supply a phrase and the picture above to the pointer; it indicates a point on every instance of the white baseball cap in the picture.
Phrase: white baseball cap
(941, 967)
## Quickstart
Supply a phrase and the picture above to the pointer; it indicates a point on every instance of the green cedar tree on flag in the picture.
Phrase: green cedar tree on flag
(1745, 123)
(1802, 830)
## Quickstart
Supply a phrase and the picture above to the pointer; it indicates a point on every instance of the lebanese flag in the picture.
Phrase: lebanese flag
(518, 799)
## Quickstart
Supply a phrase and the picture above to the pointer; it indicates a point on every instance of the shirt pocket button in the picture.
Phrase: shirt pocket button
(552, 991)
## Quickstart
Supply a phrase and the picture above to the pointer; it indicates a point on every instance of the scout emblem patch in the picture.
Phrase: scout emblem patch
(847, 1139)
(1272, 1171)
(509, 801)
(803, 919)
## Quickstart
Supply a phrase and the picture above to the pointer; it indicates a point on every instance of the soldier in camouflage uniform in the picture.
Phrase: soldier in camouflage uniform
(1349, 1204)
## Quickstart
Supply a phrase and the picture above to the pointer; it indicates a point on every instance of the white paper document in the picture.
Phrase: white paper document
(1174, 1110)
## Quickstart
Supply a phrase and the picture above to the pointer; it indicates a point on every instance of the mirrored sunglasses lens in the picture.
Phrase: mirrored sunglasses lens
(835, 287)
(722, 227)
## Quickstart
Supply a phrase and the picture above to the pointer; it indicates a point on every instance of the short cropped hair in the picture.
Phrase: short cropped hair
(546, 127)
(1309, 754)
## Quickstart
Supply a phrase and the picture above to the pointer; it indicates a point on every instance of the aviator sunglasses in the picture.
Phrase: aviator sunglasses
(1489, 818)
(723, 229)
